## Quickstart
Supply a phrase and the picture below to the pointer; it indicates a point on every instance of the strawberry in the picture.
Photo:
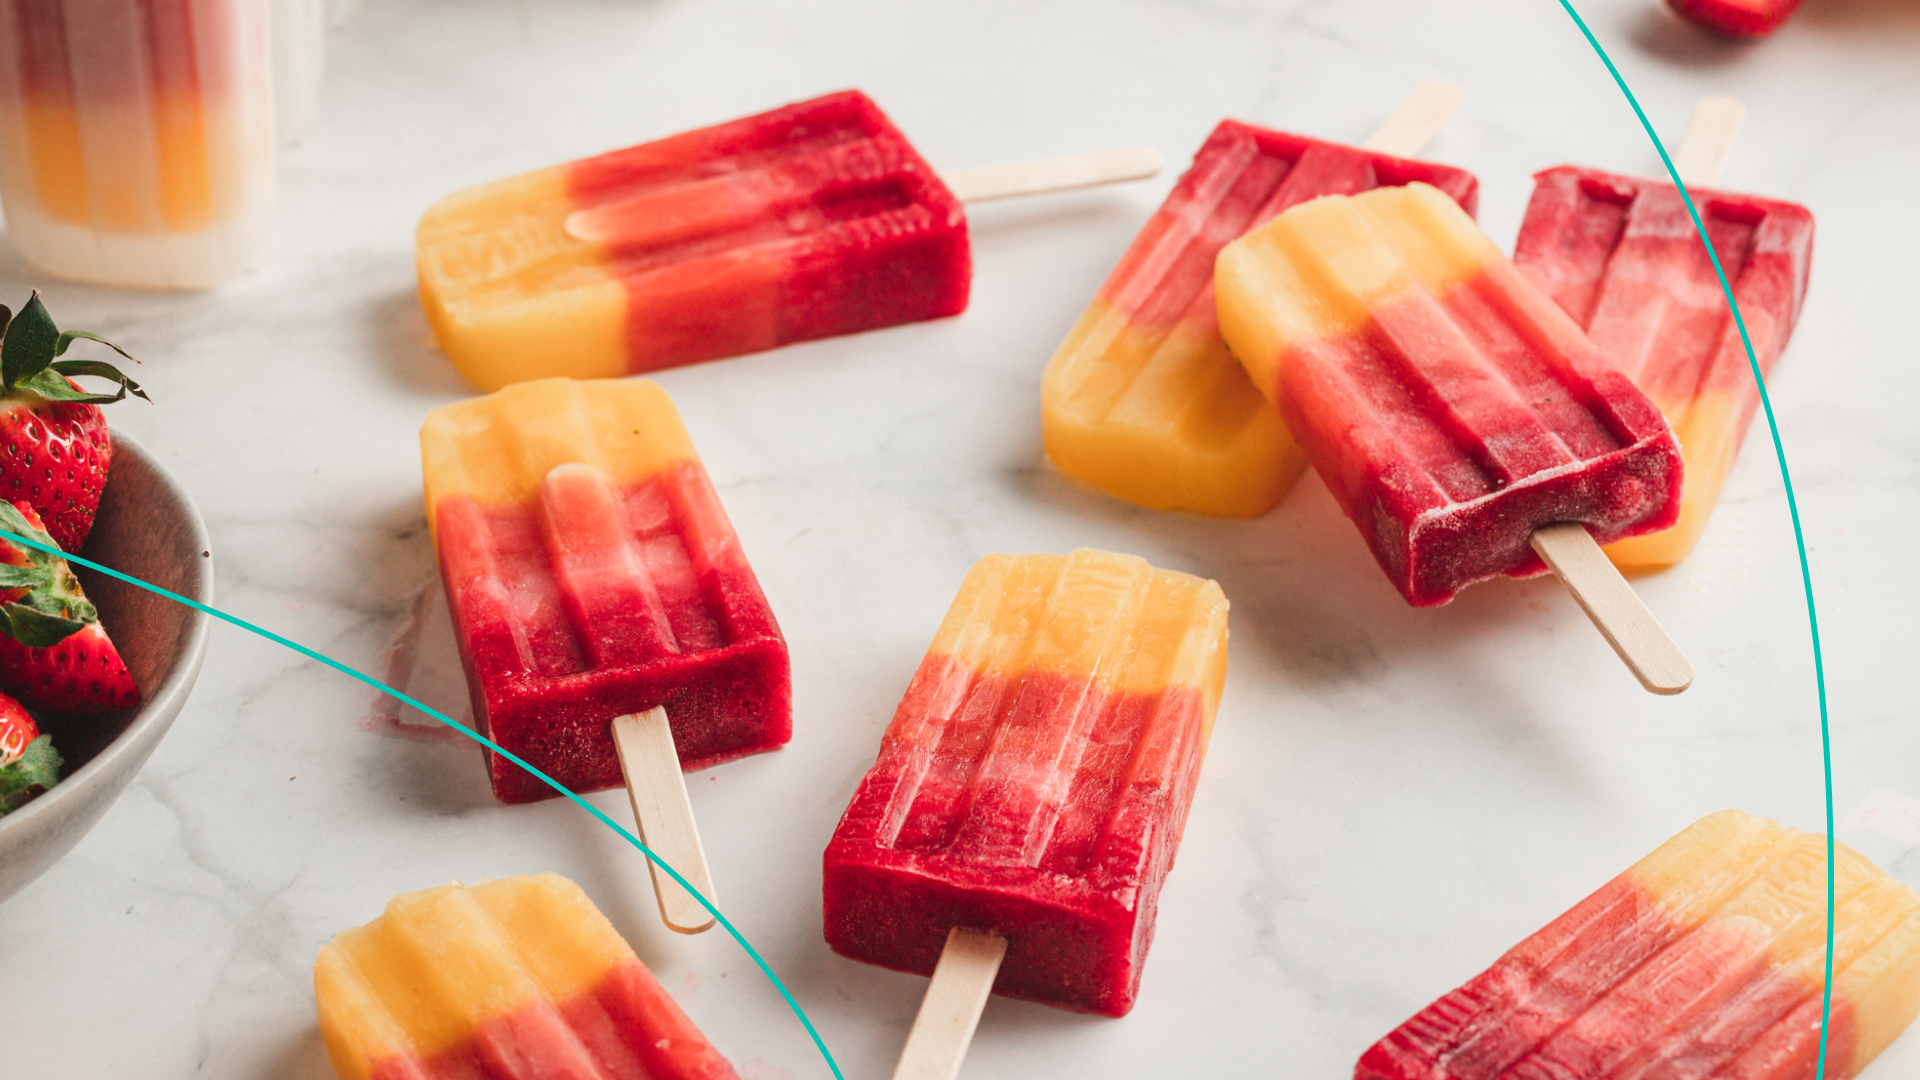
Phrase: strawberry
(1737, 18)
(54, 448)
(17, 729)
(54, 654)
(28, 762)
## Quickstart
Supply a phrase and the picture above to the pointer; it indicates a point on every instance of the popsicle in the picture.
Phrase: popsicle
(594, 580)
(1622, 257)
(136, 138)
(1705, 959)
(514, 979)
(1461, 420)
(1032, 787)
(1142, 399)
(809, 221)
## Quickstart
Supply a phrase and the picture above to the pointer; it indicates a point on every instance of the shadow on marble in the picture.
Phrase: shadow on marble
(1666, 36)
(304, 1058)
(1860, 16)
(1013, 217)
(407, 351)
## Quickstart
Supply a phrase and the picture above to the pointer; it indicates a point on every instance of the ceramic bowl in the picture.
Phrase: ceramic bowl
(147, 527)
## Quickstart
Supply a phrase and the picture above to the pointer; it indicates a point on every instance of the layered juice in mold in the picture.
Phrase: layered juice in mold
(138, 137)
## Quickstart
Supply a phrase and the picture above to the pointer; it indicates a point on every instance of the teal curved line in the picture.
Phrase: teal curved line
(1793, 510)
(476, 737)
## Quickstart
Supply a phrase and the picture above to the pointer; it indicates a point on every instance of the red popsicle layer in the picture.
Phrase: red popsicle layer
(591, 573)
(1036, 777)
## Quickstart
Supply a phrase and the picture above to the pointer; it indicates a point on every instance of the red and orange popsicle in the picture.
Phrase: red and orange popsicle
(1463, 422)
(591, 574)
(808, 221)
(1706, 959)
(1622, 257)
(1035, 779)
(516, 979)
(1451, 408)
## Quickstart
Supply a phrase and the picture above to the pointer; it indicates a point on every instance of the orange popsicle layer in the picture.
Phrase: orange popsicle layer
(1142, 399)
(1622, 257)
(517, 979)
(1035, 780)
(1704, 960)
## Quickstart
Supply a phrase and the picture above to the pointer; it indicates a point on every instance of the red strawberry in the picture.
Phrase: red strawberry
(17, 729)
(1737, 18)
(28, 762)
(55, 655)
(54, 439)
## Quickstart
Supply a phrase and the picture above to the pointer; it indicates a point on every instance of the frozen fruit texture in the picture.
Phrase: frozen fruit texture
(1622, 257)
(1449, 406)
(809, 221)
(516, 979)
(1036, 777)
(1706, 959)
(1142, 399)
(592, 573)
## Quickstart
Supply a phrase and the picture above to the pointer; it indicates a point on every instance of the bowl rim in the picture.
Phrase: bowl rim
(177, 684)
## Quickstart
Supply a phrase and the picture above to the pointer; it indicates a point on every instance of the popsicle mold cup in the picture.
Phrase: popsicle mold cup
(1705, 959)
(137, 138)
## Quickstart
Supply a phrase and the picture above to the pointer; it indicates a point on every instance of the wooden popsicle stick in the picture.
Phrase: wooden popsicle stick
(1704, 149)
(1052, 174)
(658, 789)
(951, 1010)
(1618, 611)
(1407, 130)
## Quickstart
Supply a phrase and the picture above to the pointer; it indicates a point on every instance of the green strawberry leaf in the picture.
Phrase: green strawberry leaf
(38, 629)
(34, 771)
(53, 385)
(67, 338)
(101, 370)
(22, 577)
(28, 345)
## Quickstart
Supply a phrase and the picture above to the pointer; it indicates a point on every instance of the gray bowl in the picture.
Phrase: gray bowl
(147, 527)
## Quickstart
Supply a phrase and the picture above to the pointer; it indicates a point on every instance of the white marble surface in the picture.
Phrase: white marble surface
(1392, 797)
